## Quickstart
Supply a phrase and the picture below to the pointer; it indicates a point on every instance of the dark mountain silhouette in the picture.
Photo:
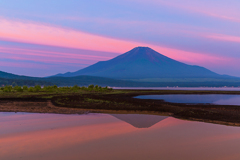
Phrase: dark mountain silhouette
(13, 76)
(140, 120)
(128, 69)
(9, 79)
(143, 62)
(101, 81)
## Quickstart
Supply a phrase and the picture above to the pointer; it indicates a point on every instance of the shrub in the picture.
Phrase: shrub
(105, 88)
(47, 88)
(25, 88)
(100, 88)
(75, 87)
(18, 88)
(55, 87)
(14, 84)
(7, 89)
(84, 88)
(91, 86)
(37, 88)
(30, 89)
(96, 87)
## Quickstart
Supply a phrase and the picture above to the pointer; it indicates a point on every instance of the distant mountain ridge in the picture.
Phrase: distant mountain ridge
(12, 76)
(143, 62)
(140, 67)
(9, 79)
(101, 81)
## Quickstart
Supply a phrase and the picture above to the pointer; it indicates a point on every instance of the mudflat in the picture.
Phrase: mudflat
(120, 101)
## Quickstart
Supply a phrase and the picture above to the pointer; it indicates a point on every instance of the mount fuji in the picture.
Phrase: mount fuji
(143, 62)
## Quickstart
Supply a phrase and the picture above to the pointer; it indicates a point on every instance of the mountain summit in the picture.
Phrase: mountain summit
(143, 62)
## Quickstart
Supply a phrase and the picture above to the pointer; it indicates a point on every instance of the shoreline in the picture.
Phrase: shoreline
(180, 88)
(122, 102)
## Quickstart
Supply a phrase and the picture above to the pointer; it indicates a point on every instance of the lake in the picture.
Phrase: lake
(113, 136)
(219, 99)
(182, 88)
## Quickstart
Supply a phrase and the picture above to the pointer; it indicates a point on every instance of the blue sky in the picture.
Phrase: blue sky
(42, 38)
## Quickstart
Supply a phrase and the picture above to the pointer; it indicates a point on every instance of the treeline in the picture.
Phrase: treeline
(87, 80)
(21, 82)
(54, 88)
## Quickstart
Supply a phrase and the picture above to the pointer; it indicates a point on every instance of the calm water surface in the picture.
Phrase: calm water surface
(117, 136)
(182, 88)
(220, 99)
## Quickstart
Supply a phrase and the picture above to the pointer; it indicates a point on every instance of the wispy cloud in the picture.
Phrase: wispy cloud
(30, 32)
(222, 37)
(50, 56)
(207, 8)
(45, 34)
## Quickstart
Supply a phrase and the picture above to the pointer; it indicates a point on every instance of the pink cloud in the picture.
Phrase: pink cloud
(53, 54)
(30, 32)
(47, 56)
(224, 37)
(56, 36)
(24, 65)
(220, 11)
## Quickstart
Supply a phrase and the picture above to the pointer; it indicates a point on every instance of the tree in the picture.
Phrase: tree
(14, 84)
(37, 88)
(91, 86)
(25, 88)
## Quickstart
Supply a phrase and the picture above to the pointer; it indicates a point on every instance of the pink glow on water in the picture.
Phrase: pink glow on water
(50, 136)
(50, 139)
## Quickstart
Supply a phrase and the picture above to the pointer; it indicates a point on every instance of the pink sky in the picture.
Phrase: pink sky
(194, 32)
(29, 32)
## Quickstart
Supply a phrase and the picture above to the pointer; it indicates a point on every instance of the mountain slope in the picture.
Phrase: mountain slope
(143, 62)
(13, 76)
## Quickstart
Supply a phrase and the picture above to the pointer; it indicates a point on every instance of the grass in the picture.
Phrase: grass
(19, 91)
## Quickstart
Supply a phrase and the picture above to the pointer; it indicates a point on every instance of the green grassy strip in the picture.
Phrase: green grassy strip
(51, 89)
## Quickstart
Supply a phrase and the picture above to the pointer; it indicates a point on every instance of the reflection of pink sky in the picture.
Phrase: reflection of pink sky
(42, 141)
(105, 137)
(234, 100)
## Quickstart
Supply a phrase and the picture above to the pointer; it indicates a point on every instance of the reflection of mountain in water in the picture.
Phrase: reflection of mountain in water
(140, 120)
